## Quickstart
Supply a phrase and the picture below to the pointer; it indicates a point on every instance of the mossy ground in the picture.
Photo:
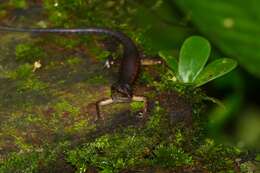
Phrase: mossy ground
(47, 122)
(47, 115)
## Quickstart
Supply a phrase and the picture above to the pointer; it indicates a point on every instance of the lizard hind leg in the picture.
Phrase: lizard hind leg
(147, 62)
(101, 103)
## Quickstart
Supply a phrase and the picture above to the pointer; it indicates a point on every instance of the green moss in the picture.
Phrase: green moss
(136, 106)
(19, 3)
(217, 157)
(34, 161)
(146, 78)
(73, 61)
(66, 107)
(25, 79)
(156, 120)
(33, 84)
(157, 144)
(78, 13)
(135, 147)
(79, 127)
(248, 167)
(15, 162)
(27, 52)
(24, 71)
(170, 156)
(58, 12)
(97, 80)
(66, 42)
(111, 153)
(257, 158)
(3, 13)
(101, 54)
(20, 142)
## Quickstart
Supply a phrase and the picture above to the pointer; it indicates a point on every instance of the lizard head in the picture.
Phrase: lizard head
(121, 91)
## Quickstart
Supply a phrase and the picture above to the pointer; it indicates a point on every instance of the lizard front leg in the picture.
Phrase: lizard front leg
(109, 101)
(120, 93)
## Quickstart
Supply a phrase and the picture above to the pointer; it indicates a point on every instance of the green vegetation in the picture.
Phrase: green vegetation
(64, 106)
(28, 53)
(194, 54)
(24, 71)
(97, 80)
(136, 106)
(73, 61)
(233, 30)
(170, 156)
(33, 161)
(26, 79)
(23, 4)
(158, 144)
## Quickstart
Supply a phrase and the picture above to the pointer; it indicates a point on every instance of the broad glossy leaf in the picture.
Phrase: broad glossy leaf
(193, 57)
(214, 70)
(170, 60)
(232, 25)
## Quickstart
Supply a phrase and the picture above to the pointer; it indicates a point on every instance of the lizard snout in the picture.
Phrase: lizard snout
(121, 92)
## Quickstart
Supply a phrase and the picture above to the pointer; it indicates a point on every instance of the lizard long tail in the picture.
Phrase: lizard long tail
(130, 63)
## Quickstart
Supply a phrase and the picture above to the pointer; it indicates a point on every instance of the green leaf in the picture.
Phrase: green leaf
(219, 116)
(257, 158)
(233, 26)
(169, 59)
(193, 57)
(214, 70)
